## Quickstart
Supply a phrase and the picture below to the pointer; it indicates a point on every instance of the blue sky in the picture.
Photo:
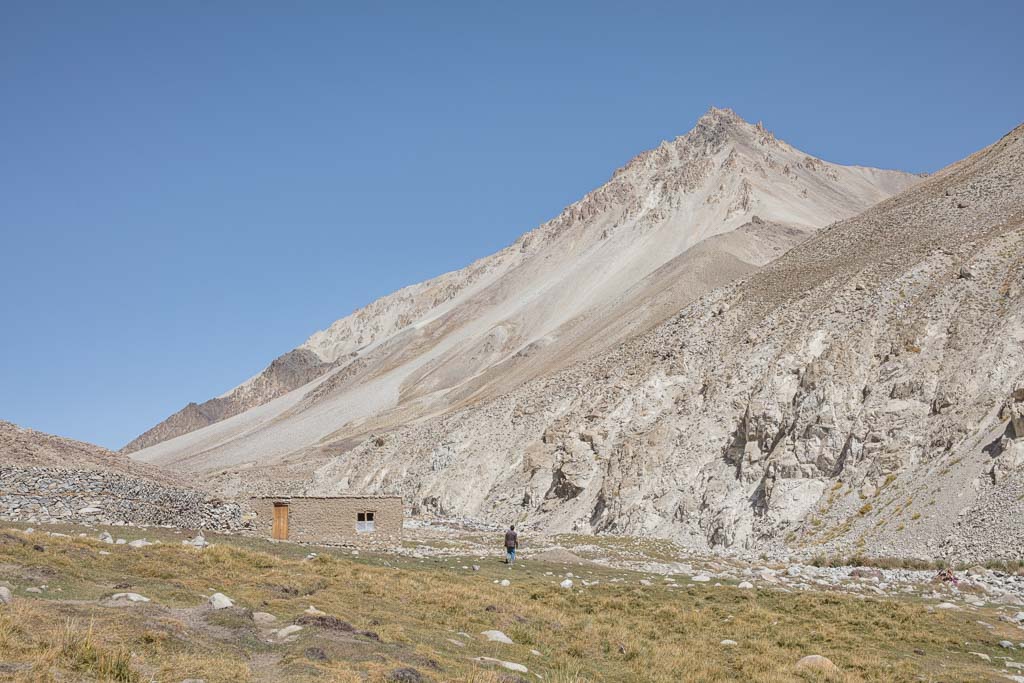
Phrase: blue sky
(190, 189)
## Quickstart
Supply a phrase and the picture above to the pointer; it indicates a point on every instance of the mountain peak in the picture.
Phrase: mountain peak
(714, 114)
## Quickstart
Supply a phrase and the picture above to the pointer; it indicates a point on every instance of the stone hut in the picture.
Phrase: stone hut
(359, 520)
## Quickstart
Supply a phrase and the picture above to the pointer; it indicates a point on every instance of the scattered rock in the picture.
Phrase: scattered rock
(511, 666)
(746, 585)
(316, 654)
(5, 595)
(106, 538)
(288, 631)
(263, 617)
(220, 601)
(406, 674)
(128, 597)
(506, 582)
(566, 583)
(140, 543)
(497, 637)
(817, 663)
(728, 643)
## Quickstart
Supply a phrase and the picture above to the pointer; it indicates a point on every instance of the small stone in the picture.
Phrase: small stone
(511, 666)
(263, 617)
(288, 631)
(314, 611)
(406, 674)
(728, 643)
(316, 654)
(140, 543)
(33, 590)
(746, 585)
(5, 595)
(645, 582)
(130, 597)
(1006, 644)
(817, 662)
(496, 637)
(106, 538)
(220, 601)
(506, 582)
(701, 578)
(946, 605)
(566, 583)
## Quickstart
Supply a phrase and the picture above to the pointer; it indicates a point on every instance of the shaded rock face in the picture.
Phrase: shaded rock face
(293, 369)
(852, 395)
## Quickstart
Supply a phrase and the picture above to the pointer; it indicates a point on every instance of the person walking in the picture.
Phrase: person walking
(511, 543)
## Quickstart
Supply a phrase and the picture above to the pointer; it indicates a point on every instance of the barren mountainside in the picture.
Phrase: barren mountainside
(862, 393)
(681, 219)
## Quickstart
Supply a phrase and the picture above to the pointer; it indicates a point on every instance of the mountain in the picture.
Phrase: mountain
(862, 393)
(676, 221)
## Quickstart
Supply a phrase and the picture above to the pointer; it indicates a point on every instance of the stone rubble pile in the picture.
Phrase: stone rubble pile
(43, 494)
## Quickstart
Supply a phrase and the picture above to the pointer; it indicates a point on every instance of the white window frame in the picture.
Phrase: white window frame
(366, 525)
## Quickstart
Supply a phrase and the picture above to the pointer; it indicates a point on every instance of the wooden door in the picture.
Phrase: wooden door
(280, 521)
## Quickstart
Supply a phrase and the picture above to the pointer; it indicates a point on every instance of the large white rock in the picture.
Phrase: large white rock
(130, 597)
(5, 595)
(567, 583)
(497, 637)
(220, 601)
(511, 666)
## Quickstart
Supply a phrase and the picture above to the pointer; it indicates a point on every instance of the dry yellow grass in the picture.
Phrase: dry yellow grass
(608, 632)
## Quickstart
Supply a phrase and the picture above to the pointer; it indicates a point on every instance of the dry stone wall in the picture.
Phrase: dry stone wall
(43, 494)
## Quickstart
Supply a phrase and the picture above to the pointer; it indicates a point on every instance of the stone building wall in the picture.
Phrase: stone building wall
(44, 494)
(333, 519)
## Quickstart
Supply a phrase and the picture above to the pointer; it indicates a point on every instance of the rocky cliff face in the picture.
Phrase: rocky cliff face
(862, 393)
(673, 223)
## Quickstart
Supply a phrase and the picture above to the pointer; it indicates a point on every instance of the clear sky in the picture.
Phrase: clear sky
(189, 189)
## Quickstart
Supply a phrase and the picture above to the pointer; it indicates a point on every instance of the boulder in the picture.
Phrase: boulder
(496, 637)
(817, 663)
(220, 601)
